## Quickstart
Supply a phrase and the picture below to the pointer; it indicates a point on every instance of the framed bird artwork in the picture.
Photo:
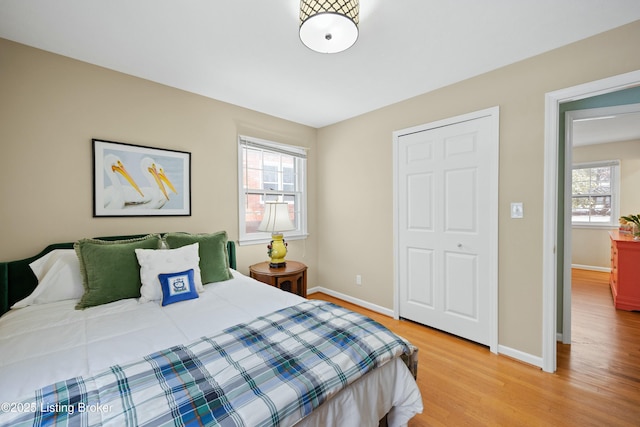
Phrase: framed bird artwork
(134, 180)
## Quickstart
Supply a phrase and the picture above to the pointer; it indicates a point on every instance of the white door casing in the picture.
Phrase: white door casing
(550, 220)
(445, 222)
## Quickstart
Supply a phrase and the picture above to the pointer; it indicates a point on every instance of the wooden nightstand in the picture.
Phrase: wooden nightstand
(291, 278)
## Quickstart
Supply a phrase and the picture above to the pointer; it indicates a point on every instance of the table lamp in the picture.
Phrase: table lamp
(276, 220)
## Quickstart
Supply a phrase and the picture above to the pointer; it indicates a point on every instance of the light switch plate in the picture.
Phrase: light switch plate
(517, 210)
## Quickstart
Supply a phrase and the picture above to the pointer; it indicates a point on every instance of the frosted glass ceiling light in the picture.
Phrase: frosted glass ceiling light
(329, 26)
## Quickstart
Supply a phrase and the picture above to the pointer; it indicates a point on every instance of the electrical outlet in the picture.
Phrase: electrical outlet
(358, 280)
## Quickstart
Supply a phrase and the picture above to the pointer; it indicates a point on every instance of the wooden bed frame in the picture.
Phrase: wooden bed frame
(17, 281)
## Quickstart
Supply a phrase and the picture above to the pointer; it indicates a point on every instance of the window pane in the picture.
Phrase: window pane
(253, 169)
(601, 180)
(580, 209)
(253, 179)
(592, 197)
(270, 175)
(270, 172)
(581, 181)
(288, 179)
(253, 212)
(601, 209)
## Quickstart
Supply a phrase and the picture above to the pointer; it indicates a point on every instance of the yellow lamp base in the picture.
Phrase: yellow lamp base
(277, 250)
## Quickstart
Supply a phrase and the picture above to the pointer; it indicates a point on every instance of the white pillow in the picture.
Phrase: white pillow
(162, 261)
(59, 278)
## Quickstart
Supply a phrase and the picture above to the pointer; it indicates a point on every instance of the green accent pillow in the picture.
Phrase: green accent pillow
(214, 259)
(110, 269)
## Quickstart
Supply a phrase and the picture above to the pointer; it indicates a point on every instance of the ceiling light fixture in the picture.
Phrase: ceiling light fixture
(329, 26)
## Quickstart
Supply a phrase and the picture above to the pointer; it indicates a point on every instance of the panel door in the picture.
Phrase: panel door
(444, 241)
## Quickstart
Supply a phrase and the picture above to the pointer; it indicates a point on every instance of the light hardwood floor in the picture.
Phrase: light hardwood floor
(597, 382)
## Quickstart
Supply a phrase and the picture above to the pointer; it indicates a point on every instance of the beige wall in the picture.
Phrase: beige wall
(52, 106)
(591, 247)
(355, 195)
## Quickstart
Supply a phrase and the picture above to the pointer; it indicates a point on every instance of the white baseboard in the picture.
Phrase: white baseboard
(507, 351)
(591, 267)
(352, 300)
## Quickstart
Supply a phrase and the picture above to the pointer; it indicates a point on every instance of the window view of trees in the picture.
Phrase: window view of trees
(592, 194)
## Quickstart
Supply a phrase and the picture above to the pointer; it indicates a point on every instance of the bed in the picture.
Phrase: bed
(198, 344)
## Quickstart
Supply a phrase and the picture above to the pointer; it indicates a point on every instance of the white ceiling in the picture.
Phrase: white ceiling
(248, 53)
(606, 129)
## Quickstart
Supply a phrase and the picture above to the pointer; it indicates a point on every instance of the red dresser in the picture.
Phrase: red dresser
(625, 271)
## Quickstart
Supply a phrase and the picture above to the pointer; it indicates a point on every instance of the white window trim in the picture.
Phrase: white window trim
(615, 194)
(261, 238)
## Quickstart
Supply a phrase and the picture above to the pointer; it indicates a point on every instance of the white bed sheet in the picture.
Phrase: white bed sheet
(46, 343)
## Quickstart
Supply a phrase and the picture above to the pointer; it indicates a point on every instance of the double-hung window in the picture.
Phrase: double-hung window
(594, 194)
(269, 172)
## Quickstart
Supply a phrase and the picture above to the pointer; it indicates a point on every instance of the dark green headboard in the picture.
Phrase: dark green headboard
(17, 280)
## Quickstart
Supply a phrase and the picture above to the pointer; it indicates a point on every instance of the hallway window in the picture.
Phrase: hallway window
(594, 198)
(268, 172)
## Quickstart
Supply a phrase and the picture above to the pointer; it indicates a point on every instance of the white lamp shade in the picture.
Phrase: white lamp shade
(276, 218)
(329, 26)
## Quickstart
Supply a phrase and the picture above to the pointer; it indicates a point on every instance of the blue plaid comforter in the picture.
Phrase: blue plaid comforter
(272, 371)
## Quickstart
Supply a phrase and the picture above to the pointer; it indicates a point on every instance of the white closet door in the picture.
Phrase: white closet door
(446, 227)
